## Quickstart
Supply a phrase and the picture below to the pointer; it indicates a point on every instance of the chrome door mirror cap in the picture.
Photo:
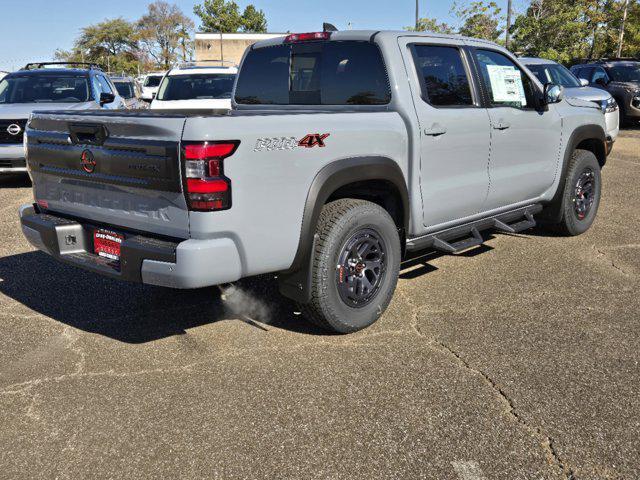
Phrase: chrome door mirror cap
(584, 82)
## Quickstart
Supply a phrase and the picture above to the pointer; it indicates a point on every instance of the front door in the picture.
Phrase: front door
(454, 131)
(525, 140)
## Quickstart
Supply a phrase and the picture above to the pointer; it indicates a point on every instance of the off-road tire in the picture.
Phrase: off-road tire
(340, 222)
(583, 162)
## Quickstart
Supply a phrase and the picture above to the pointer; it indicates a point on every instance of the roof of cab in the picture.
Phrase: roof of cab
(536, 61)
(369, 35)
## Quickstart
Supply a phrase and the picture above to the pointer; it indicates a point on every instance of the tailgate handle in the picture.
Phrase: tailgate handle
(87, 134)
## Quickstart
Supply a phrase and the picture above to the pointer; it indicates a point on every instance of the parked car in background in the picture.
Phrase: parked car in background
(196, 87)
(150, 86)
(343, 152)
(549, 71)
(129, 91)
(619, 77)
(35, 87)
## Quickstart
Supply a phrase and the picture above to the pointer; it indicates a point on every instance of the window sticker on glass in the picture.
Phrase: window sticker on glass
(506, 84)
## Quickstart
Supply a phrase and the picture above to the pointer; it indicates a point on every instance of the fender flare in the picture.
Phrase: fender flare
(552, 212)
(295, 281)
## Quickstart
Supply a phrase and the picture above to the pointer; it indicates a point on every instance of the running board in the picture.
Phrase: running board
(460, 244)
(520, 226)
(463, 237)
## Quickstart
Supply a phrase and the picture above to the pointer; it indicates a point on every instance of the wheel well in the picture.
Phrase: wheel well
(381, 192)
(596, 147)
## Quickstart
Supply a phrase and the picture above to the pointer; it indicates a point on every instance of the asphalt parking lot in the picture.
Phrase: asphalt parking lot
(518, 360)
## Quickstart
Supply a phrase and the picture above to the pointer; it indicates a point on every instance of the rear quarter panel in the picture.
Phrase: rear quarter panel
(270, 186)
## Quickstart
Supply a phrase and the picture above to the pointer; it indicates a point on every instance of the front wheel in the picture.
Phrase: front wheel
(580, 197)
(355, 265)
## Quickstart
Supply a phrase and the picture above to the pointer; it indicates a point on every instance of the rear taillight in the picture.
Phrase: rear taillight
(206, 187)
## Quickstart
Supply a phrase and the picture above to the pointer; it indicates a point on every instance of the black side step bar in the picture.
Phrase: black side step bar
(459, 245)
(463, 237)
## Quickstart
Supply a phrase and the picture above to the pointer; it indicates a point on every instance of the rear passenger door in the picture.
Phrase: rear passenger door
(525, 139)
(454, 131)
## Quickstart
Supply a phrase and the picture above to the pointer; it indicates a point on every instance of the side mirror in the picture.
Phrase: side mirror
(153, 95)
(553, 93)
(584, 82)
(106, 98)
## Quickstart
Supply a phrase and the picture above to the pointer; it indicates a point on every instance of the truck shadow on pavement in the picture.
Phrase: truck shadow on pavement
(134, 313)
(18, 180)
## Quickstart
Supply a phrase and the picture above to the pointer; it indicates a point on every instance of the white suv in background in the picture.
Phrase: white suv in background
(549, 71)
(150, 86)
(196, 87)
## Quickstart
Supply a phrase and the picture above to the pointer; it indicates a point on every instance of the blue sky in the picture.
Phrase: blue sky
(33, 29)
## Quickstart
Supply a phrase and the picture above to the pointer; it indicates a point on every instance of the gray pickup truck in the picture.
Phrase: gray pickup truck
(344, 152)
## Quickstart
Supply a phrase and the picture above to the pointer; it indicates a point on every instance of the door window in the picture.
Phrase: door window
(104, 85)
(599, 74)
(506, 84)
(443, 76)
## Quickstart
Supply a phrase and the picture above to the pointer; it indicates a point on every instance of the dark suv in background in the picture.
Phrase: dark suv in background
(621, 78)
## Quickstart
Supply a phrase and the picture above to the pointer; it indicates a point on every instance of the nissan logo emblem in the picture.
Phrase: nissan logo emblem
(87, 161)
(14, 129)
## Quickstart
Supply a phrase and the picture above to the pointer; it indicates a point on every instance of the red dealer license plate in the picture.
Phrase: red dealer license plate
(107, 244)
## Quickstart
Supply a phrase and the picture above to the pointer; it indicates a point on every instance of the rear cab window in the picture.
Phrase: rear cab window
(314, 73)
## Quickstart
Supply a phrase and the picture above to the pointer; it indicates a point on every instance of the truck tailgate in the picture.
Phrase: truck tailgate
(117, 169)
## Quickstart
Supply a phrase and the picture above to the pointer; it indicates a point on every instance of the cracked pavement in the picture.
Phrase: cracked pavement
(517, 360)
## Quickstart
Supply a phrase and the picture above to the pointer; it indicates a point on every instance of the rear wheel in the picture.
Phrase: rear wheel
(355, 265)
(580, 197)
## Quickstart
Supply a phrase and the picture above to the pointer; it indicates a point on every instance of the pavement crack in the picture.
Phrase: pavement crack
(603, 254)
(546, 441)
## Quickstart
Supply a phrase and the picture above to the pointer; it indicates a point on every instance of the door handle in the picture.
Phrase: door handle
(435, 130)
(501, 125)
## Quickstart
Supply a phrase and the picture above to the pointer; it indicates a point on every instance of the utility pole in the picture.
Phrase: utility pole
(417, 13)
(221, 49)
(506, 40)
(624, 19)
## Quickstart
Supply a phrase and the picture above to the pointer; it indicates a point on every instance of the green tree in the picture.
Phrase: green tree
(224, 16)
(253, 20)
(112, 43)
(479, 20)
(553, 29)
(430, 25)
(163, 32)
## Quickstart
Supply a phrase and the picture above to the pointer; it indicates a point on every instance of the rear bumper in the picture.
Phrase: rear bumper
(12, 159)
(185, 264)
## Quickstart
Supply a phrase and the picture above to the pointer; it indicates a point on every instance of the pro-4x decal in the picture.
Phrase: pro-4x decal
(313, 140)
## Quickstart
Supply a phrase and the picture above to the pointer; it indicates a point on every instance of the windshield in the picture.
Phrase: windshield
(125, 89)
(44, 89)
(200, 86)
(152, 81)
(554, 73)
(625, 73)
